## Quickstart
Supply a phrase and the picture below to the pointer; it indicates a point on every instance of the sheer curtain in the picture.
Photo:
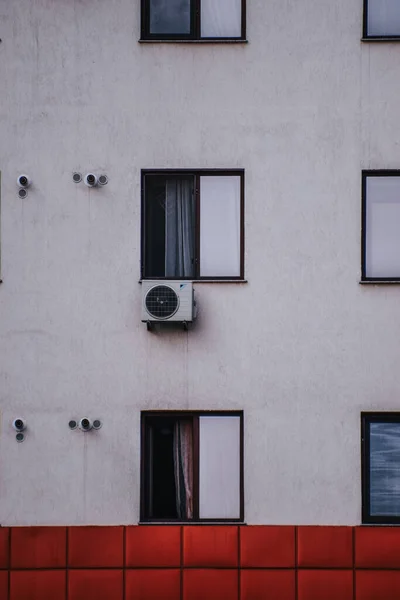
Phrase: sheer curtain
(179, 228)
(221, 18)
(183, 466)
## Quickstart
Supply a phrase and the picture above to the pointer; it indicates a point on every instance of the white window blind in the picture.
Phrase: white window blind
(220, 226)
(221, 18)
(383, 17)
(382, 252)
(219, 467)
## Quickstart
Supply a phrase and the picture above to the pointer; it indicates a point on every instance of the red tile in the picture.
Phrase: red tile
(210, 546)
(4, 535)
(326, 585)
(97, 584)
(377, 585)
(377, 547)
(3, 584)
(267, 546)
(37, 585)
(38, 547)
(96, 547)
(152, 584)
(325, 547)
(210, 584)
(272, 585)
(153, 546)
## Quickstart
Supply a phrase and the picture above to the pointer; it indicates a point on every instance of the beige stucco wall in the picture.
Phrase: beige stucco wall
(301, 347)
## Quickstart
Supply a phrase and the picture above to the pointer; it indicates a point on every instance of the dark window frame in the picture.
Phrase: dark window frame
(364, 176)
(367, 37)
(195, 34)
(366, 419)
(194, 414)
(197, 173)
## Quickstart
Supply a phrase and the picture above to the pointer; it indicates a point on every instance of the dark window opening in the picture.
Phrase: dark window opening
(193, 225)
(162, 491)
(193, 20)
(170, 225)
(173, 17)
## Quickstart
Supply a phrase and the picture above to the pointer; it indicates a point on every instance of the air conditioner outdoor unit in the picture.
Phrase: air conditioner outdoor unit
(171, 301)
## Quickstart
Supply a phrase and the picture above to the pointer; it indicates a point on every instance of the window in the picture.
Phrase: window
(192, 466)
(381, 226)
(192, 224)
(381, 19)
(380, 467)
(193, 20)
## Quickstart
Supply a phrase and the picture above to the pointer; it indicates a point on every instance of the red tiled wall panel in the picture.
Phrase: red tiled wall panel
(95, 584)
(377, 585)
(377, 547)
(210, 562)
(263, 546)
(153, 546)
(38, 547)
(160, 584)
(325, 584)
(95, 547)
(210, 546)
(38, 585)
(4, 547)
(210, 584)
(3, 584)
(256, 584)
(325, 547)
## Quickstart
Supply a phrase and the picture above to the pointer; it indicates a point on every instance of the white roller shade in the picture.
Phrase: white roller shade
(221, 18)
(220, 226)
(382, 258)
(219, 466)
(383, 17)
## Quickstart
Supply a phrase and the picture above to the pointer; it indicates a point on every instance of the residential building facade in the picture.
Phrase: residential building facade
(250, 149)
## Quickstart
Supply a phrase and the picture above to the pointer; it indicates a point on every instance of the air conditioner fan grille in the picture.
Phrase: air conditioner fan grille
(161, 302)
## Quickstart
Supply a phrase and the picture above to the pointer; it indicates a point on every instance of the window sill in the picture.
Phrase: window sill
(191, 523)
(395, 38)
(199, 280)
(380, 282)
(220, 281)
(205, 41)
(374, 524)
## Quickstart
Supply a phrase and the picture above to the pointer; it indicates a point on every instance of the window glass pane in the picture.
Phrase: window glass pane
(383, 226)
(219, 467)
(169, 226)
(220, 226)
(385, 468)
(383, 17)
(160, 470)
(221, 18)
(170, 16)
